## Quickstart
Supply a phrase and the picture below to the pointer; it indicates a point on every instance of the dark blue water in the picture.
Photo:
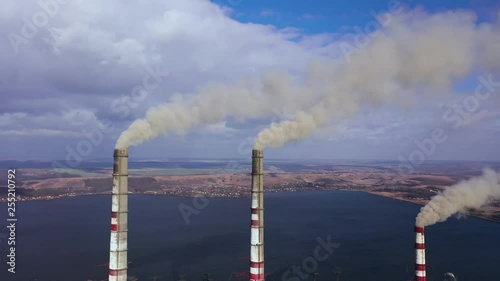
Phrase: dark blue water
(64, 240)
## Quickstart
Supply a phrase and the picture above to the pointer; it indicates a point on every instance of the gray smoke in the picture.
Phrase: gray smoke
(414, 53)
(252, 98)
(473, 193)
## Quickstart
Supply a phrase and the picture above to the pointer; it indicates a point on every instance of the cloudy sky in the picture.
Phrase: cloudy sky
(75, 74)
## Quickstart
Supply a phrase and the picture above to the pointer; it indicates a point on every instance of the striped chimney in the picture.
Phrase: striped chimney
(257, 222)
(119, 210)
(420, 274)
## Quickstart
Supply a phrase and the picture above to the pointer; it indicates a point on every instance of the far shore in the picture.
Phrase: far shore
(385, 195)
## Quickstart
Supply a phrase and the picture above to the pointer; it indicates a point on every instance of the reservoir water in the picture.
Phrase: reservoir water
(66, 239)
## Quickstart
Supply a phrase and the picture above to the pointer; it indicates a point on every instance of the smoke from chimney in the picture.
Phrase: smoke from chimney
(472, 193)
(248, 98)
(414, 52)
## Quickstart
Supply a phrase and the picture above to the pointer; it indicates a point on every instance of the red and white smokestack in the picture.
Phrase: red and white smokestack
(257, 222)
(119, 211)
(420, 272)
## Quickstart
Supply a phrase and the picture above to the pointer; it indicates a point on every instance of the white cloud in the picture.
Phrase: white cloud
(63, 124)
(102, 48)
(93, 51)
(8, 118)
(38, 133)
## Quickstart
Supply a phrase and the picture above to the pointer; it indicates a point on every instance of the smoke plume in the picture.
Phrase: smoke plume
(246, 99)
(413, 53)
(472, 193)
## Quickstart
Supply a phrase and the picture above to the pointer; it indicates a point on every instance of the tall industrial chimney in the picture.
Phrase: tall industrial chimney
(420, 272)
(119, 211)
(257, 222)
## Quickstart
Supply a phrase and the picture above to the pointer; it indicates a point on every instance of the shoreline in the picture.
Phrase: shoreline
(423, 204)
(236, 197)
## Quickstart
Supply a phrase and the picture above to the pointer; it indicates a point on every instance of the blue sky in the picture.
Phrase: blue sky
(323, 16)
(73, 74)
